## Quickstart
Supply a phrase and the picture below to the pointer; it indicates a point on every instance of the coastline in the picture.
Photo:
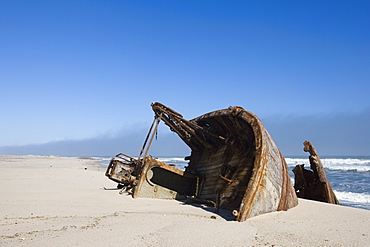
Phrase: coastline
(61, 201)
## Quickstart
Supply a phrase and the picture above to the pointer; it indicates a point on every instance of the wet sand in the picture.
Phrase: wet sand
(61, 201)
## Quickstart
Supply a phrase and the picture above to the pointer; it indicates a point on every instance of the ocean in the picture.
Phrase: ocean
(349, 177)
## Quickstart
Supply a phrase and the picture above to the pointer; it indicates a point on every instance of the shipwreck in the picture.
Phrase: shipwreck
(234, 164)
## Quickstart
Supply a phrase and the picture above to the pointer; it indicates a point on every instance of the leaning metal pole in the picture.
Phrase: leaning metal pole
(157, 120)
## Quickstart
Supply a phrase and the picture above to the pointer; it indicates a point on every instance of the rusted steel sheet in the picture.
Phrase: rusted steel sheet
(313, 184)
(234, 164)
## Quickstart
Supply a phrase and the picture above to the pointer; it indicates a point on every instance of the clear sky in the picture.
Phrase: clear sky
(78, 77)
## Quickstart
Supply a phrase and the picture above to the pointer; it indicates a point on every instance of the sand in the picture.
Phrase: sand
(61, 201)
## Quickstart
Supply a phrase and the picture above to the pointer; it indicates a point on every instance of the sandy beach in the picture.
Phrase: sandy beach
(61, 201)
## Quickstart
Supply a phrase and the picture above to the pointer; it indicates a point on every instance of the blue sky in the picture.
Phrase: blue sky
(82, 74)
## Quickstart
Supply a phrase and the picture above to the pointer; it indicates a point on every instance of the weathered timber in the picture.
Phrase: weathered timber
(313, 184)
(234, 164)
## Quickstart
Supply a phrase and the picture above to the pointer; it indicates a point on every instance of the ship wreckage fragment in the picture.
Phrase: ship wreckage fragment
(313, 184)
(234, 164)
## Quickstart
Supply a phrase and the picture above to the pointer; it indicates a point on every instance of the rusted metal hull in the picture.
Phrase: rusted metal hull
(234, 164)
(258, 181)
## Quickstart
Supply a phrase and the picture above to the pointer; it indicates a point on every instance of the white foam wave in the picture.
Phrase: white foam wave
(361, 165)
(327, 161)
(358, 168)
(353, 197)
(172, 160)
(294, 161)
(101, 158)
(347, 161)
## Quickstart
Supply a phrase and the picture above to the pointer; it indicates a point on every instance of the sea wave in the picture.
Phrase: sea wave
(347, 164)
(170, 160)
(353, 197)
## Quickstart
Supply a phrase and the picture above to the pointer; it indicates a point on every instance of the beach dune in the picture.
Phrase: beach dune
(64, 201)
